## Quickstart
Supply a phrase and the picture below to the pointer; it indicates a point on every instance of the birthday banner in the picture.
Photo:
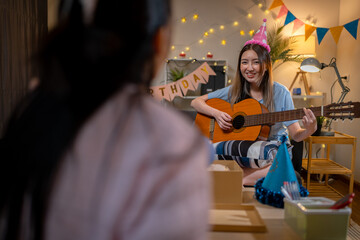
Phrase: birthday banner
(183, 85)
(351, 27)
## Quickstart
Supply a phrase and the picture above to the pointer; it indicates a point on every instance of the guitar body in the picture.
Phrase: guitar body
(244, 108)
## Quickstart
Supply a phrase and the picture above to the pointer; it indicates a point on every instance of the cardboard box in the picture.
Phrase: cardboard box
(312, 218)
(227, 185)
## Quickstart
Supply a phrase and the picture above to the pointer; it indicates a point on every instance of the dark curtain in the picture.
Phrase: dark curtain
(23, 26)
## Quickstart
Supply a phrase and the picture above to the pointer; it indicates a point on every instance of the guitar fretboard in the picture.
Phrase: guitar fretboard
(274, 117)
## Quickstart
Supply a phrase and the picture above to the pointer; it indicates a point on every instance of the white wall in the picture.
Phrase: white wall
(348, 62)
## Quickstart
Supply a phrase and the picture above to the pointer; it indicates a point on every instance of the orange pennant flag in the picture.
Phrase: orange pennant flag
(283, 11)
(335, 32)
(297, 24)
(308, 31)
(276, 3)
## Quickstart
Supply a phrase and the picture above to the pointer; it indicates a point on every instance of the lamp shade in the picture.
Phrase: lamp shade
(311, 65)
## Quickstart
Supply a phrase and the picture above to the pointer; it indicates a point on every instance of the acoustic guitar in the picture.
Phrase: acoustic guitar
(251, 120)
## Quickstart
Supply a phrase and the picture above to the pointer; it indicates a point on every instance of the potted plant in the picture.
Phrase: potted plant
(319, 121)
(281, 47)
(176, 74)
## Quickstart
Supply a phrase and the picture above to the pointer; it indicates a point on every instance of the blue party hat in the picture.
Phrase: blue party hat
(268, 189)
(281, 170)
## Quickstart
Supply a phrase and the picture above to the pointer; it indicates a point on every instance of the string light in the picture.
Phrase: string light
(195, 16)
(203, 58)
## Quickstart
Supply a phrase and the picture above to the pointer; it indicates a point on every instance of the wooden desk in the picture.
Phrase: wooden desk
(273, 218)
(327, 166)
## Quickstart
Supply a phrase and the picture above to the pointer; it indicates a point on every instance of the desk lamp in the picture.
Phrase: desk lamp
(313, 65)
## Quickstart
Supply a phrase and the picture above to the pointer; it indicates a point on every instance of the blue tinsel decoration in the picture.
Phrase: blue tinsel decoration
(275, 199)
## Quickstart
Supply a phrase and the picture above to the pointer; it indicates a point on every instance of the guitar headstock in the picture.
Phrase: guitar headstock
(348, 110)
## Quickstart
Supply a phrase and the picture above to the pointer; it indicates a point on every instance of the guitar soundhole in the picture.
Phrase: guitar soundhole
(238, 122)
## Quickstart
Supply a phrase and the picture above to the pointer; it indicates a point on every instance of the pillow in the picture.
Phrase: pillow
(248, 154)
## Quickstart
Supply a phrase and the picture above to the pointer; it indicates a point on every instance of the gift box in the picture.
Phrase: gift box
(227, 183)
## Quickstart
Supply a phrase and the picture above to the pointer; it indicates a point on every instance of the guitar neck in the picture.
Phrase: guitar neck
(274, 117)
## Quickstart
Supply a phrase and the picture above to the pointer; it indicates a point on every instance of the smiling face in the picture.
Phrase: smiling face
(250, 67)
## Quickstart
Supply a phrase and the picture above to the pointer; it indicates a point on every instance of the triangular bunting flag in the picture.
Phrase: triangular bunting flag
(321, 33)
(352, 27)
(336, 31)
(289, 18)
(276, 3)
(283, 11)
(297, 24)
(308, 31)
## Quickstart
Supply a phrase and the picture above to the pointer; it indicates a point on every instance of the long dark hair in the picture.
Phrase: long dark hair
(240, 89)
(82, 65)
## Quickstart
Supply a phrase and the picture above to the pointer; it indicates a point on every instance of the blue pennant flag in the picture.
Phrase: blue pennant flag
(281, 170)
(289, 18)
(321, 32)
(352, 27)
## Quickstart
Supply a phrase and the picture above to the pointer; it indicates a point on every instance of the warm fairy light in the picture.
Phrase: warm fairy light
(307, 21)
(215, 63)
(206, 34)
(223, 42)
(203, 58)
(267, 11)
(251, 32)
(175, 57)
(229, 81)
(190, 58)
(323, 145)
(242, 32)
(187, 49)
(260, 5)
(211, 30)
(249, 15)
(183, 20)
(225, 67)
(201, 41)
(236, 23)
(195, 16)
(222, 27)
(172, 47)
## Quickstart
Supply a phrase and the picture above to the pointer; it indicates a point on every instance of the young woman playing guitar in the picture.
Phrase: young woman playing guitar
(254, 80)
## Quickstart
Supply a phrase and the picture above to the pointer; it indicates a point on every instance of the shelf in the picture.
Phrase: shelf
(307, 96)
(325, 166)
(322, 190)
